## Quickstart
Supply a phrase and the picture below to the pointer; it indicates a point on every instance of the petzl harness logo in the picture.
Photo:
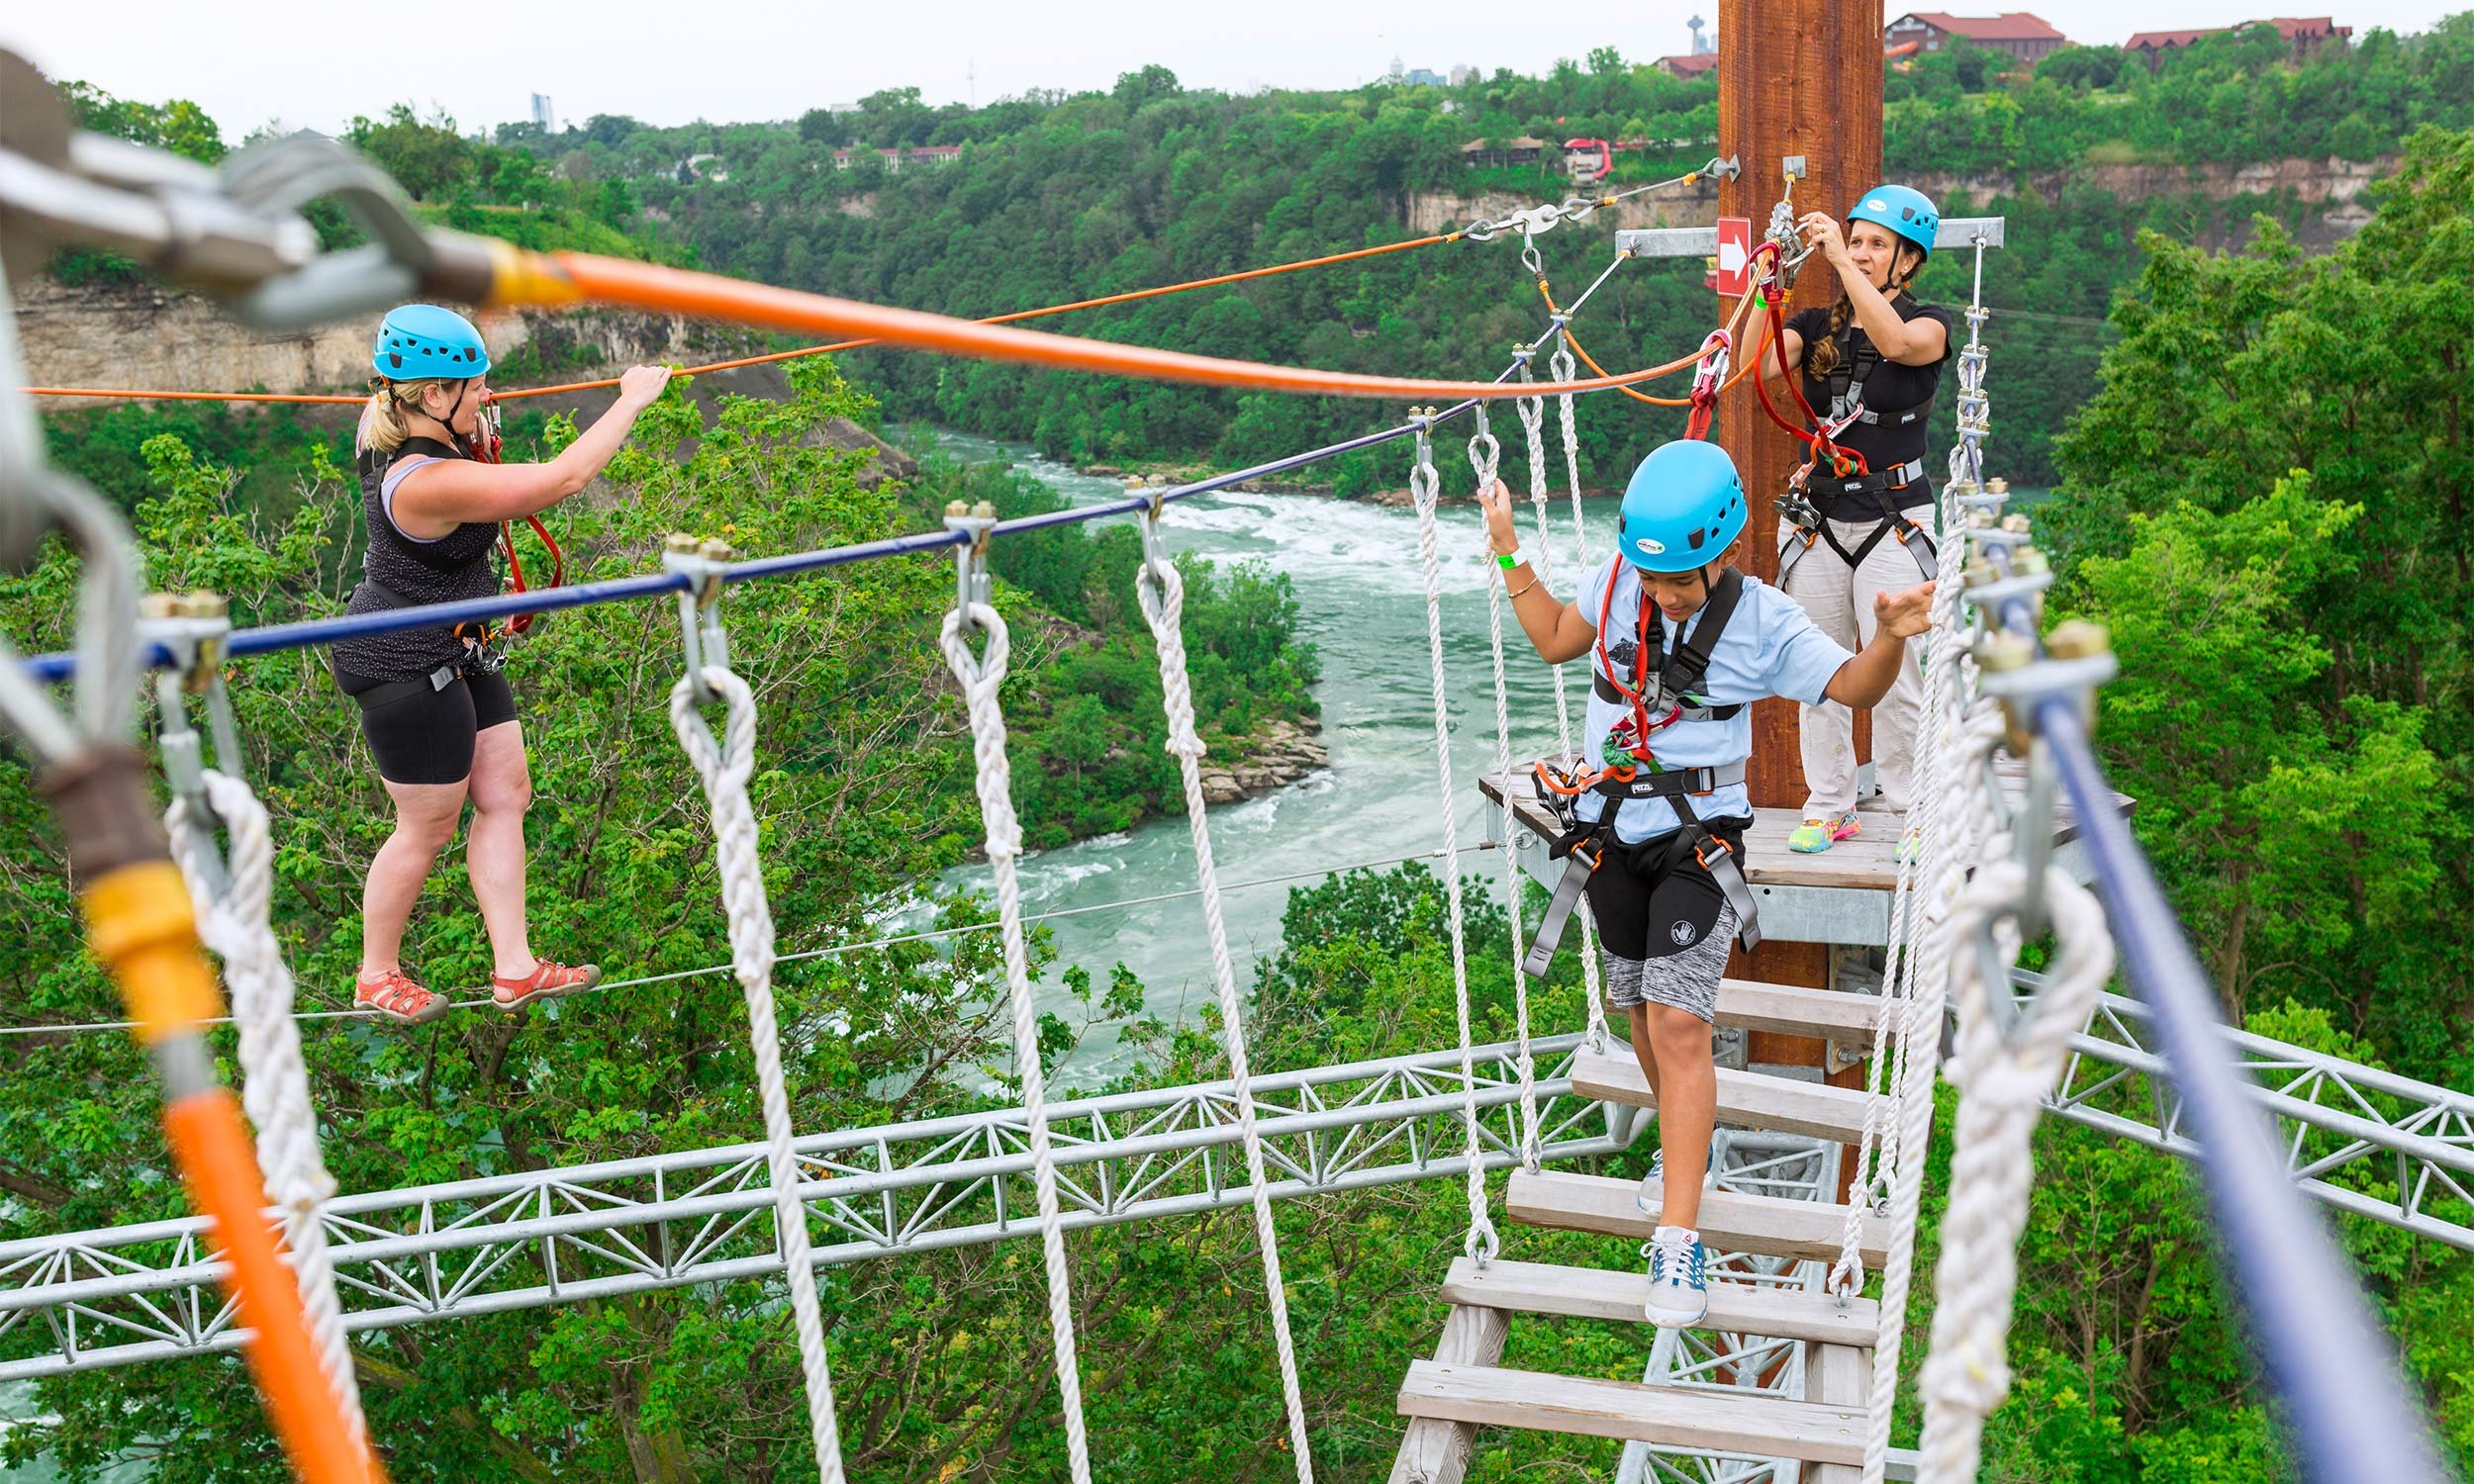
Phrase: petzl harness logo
(1683, 933)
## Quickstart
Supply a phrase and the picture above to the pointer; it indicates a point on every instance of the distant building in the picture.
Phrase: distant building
(1463, 75)
(1700, 42)
(894, 160)
(1522, 151)
(543, 114)
(1423, 77)
(2021, 34)
(701, 168)
(2305, 36)
(1687, 63)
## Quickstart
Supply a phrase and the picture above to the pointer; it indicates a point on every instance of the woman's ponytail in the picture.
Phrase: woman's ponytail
(383, 428)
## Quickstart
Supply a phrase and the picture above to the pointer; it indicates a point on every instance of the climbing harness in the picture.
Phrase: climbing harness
(1808, 524)
(1653, 702)
(725, 765)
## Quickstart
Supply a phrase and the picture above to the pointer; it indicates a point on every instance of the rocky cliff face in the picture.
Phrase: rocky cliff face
(141, 335)
(2332, 187)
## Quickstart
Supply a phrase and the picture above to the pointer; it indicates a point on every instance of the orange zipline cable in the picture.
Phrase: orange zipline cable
(1129, 297)
(1734, 324)
(524, 278)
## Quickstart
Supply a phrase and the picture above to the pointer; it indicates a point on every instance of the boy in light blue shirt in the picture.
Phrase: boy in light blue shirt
(1680, 645)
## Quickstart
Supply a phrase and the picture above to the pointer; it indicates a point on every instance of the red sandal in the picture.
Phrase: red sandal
(394, 996)
(547, 980)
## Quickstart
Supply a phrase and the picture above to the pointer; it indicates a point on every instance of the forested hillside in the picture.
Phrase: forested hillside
(2265, 483)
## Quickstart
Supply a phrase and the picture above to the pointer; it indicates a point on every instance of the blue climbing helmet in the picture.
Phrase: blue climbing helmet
(1907, 213)
(421, 341)
(1683, 507)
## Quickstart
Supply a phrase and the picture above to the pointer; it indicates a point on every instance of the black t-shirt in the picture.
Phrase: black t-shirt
(1889, 388)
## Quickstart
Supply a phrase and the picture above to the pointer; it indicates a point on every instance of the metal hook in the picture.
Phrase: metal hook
(702, 640)
(972, 583)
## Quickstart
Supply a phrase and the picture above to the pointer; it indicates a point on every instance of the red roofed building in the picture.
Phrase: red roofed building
(2025, 35)
(2305, 36)
(1687, 63)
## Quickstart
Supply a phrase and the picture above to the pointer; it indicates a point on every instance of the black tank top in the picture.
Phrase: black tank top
(398, 572)
(1889, 387)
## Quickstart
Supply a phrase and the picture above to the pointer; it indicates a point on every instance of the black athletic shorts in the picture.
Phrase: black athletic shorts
(1652, 900)
(425, 736)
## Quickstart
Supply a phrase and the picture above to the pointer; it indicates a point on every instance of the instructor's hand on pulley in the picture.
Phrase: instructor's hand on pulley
(1502, 538)
(1822, 231)
(1903, 615)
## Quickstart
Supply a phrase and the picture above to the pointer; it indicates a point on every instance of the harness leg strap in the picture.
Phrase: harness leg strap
(1718, 858)
(1579, 867)
(1919, 543)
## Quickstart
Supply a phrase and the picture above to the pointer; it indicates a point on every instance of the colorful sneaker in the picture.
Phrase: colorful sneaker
(394, 996)
(1652, 1197)
(1815, 835)
(547, 980)
(1678, 1293)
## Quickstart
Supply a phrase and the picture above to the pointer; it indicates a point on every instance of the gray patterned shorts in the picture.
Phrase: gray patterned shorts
(1685, 981)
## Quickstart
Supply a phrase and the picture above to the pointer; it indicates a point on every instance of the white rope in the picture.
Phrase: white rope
(1161, 590)
(2003, 1077)
(982, 680)
(1925, 858)
(1970, 833)
(724, 768)
(1563, 367)
(1485, 457)
(275, 1085)
(1424, 484)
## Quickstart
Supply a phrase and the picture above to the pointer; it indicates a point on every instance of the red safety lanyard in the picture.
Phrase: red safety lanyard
(485, 448)
(1636, 694)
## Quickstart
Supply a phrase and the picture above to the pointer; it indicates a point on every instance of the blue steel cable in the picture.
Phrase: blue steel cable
(2349, 1414)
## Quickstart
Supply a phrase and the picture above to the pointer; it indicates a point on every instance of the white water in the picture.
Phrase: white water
(1361, 599)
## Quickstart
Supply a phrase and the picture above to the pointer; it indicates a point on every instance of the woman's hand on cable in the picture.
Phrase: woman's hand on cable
(1903, 615)
(1821, 230)
(639, 384)
(1502, 537)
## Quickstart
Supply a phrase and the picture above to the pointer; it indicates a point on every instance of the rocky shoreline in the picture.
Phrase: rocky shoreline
(1281, 753)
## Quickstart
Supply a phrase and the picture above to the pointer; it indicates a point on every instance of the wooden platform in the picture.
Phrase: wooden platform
(1619, 1296)
(1748, 1100)
(1866, 862)
(1731, 1221)
(1447, 1399)
(1749, 1425)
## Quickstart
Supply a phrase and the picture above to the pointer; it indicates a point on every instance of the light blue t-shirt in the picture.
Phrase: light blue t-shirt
(1769, 648)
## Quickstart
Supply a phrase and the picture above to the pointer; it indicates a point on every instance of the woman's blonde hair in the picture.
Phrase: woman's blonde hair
(383, 429)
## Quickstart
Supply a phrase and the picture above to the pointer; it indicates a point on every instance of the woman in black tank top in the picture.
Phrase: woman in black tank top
(439, 716)
(1869, 366)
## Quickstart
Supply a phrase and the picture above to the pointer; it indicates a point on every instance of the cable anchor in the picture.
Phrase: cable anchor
(703, 640)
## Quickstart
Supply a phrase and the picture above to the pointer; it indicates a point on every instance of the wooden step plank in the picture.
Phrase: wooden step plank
(1838, 1375)
(1731, 1222)
(1596, 1293)
(1791, 1010)
(1746, 1099)
(1747, 1424)
(1434, 1450)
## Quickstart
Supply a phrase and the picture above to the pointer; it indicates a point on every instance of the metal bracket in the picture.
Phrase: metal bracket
(972, 583)
(1791, 167)
(701, 638)
(1725, 169)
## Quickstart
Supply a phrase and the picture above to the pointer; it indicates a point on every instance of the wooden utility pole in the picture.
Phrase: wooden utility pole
(1794, 77)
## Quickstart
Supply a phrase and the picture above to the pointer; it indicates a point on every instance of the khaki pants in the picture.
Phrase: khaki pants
(1840, 601)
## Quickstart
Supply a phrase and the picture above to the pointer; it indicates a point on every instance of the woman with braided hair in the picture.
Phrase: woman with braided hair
(439, 716)
(1869, 365)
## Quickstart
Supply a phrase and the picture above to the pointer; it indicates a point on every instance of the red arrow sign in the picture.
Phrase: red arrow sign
(1734, 278)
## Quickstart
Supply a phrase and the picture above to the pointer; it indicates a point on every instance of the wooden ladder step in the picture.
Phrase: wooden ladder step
(1749, 1099)
(1594, 1293)
(1731, 1222)
(1793, 1010)
(1747, 1424)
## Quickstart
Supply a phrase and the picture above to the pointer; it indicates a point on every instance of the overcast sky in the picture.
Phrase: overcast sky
(317, 65)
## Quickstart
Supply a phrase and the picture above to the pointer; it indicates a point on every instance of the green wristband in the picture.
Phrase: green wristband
(1507, 563)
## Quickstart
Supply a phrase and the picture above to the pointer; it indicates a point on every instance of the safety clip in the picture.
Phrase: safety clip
(701, 638)
(972, 587)
(194, 628)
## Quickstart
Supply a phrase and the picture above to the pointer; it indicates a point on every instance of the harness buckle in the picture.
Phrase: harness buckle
(1724, 848)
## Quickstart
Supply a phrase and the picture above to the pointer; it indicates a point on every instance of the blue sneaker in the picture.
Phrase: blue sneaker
(1651, 1196)
(1678, 1292)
